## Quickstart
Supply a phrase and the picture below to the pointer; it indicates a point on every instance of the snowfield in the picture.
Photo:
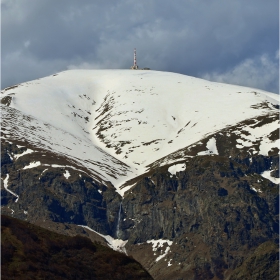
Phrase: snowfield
(115, 244)
(116, 122)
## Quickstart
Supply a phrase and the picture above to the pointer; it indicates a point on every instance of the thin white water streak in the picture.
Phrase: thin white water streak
(5, 181)
(119, 219)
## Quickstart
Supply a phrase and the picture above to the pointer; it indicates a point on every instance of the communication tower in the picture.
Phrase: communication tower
(134, 61)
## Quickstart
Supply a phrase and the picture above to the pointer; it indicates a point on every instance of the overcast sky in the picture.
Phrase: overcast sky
(227, 41)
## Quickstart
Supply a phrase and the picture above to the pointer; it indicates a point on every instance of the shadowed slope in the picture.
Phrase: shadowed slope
(31, 252)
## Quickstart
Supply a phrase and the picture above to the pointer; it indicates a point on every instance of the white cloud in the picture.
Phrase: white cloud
(188, 37)
(85, 65)
(260, 72)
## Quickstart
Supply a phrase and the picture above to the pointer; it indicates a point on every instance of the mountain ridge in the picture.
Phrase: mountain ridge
(90, 106)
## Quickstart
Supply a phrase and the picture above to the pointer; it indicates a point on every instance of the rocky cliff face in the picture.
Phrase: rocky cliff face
(214, 220)
(204, 221)
(52, 192)
(216, 211)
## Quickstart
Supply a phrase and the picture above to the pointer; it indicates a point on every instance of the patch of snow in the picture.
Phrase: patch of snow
(164, 254)
(25, 212)
(176, 168)
(115, 244)
(11, 158)
(266, 145)
(32, 165)
(56, 165)
(158, 244)
(67, 174)
(255, 189)
(65, 166)
(42, 172)
(169, 263)
(5, 183)
(259, 133)
(28, 151)
(244, 143)
(211, 148)
(99, 191)
(267, 175)
(121, 191)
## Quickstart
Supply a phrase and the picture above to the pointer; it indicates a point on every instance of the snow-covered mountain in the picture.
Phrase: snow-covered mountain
(115, 123)
(179, 172)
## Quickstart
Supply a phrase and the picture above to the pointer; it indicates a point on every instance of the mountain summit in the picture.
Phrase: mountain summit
(117, 122)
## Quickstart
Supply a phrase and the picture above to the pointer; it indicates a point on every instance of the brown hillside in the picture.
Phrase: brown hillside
(31, 252)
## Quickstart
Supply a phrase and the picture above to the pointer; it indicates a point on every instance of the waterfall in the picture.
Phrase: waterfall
(119, 219)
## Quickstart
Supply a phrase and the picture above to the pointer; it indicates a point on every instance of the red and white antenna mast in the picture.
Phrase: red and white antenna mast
(134, 61)
(134, 64)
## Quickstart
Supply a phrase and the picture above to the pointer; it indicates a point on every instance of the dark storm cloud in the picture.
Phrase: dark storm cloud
(227, 41)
